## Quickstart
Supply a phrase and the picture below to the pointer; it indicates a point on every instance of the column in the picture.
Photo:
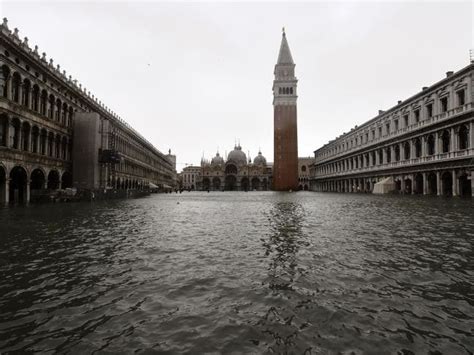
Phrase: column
(402, 185)
(425, 184)
(437, 148)
(424, 142)
(28, 182)
(20, 93)
(7, 190)
(471, 136)
(412, 177)
(412, 149)
(438, 183)
(472, 183)
(9, 133)
(455, 184)
(8, 83)
(392, 154)
(452, 143)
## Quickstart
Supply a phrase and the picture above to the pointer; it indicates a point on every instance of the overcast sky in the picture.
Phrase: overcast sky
(194, 77)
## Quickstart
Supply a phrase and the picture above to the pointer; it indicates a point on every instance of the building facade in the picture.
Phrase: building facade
(54, 134)
(235, 173)
(285, 144)
(423, 145)
(304, 165)
(189, 177)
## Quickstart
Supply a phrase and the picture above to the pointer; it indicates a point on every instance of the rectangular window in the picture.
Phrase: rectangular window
(373, 134)
(396, 125)
(366, 137)
(417, 116)
(444, 104)
(405, 120)
(387, 128)
(429, 110)
(461, 97)
(380, 131)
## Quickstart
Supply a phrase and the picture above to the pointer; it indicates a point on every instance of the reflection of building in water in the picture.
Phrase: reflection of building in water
(423, 145)
(235, 172)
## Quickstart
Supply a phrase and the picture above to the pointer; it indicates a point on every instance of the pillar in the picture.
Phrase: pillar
(28, 182)
(425, 184)
(8, 83)
(412, 177)
(452, 143)
(438, 183)
(455, 184)
(472, 182)
(7, 190)
(402, 185)
(437, 146)
(424, 142)
(471, 135)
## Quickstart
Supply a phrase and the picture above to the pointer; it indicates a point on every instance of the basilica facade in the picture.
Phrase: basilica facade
(235, 173)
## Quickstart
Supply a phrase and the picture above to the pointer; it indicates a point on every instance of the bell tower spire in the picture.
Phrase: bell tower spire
(285, 143)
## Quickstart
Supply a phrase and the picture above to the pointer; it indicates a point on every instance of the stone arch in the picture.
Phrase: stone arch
(465, 186)
(447, 183)
(37, 179)
(244, 184)
(53, 180)
(303, 168)
(255, 183)
(206, 184)
(216, 183)
(408, 185)
(432, 183)
(66, 180)
(230, 182)
(230, 169)
(305, 187)
(418, 188)
(18, 185)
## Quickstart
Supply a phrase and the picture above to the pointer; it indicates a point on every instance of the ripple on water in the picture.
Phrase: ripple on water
(239, 272)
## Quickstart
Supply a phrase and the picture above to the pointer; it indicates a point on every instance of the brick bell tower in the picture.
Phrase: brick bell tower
(285, 142)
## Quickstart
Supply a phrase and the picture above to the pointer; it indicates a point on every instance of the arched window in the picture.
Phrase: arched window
(431, 144)
(16, 83)
(445, 141)
(291, 91)
(389, 155)
(35, 98)
(397, 152)
(43, 102)
(64, 114)
(463, 137)
(52, 102)
(26, 92)
(418, 147)
(407, 150)
(279, 91)
(4, 75)
(58, 109)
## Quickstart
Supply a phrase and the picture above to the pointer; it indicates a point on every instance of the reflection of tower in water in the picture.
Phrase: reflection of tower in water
(283, 244)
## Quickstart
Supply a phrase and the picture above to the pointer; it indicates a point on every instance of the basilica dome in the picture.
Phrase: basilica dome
(217, 160)
(237, 156)
(260, 159)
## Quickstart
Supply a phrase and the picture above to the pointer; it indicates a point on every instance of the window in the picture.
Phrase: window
(405, 120)
(429, 110)
(373, 134)
(444, 104)
(417, 116)
(396, 125)
(380, 131)
(366, 137)
(387, 128)
(461, 97)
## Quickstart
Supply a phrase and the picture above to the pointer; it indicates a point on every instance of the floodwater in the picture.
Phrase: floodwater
(256, 272)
